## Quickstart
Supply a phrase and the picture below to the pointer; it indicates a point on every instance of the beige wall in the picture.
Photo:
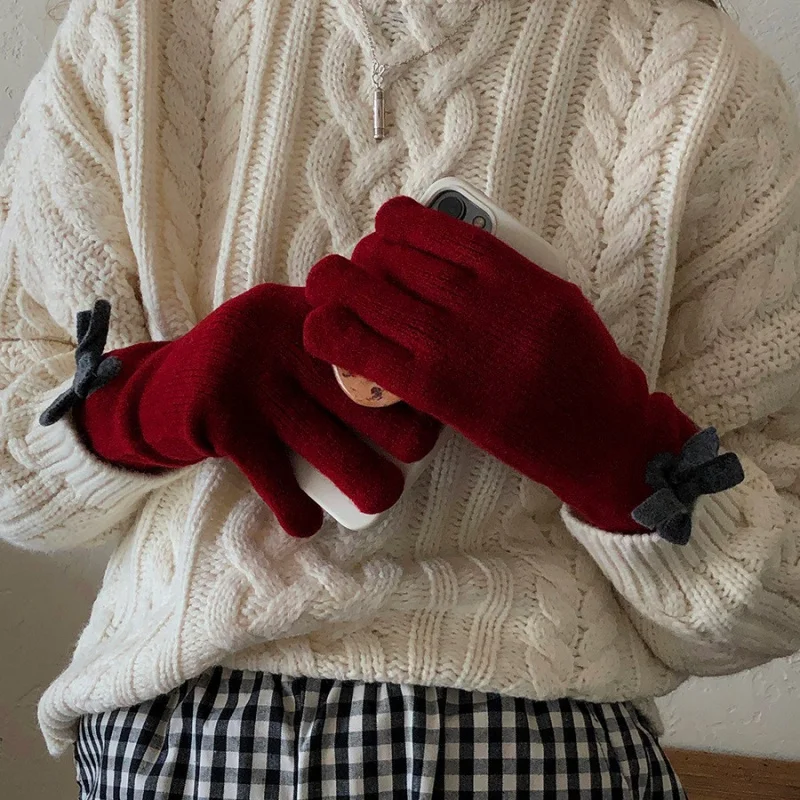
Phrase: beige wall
(44, 602)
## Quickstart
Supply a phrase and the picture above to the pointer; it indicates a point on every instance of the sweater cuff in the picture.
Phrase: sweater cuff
(734, 535)
(635, 563)
(60, 454)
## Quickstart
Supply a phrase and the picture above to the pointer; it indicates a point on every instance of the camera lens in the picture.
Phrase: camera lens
(452, 205)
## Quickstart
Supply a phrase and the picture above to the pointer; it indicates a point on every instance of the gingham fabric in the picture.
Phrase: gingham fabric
(232, 734)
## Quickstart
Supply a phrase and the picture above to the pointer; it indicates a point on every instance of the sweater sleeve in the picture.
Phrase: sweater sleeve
(63, 243)
(730, 599)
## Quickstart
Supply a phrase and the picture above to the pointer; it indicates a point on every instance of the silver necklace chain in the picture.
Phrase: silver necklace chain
(380, 69)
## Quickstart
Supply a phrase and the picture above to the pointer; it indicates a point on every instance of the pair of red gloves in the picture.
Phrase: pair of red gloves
(467, 331)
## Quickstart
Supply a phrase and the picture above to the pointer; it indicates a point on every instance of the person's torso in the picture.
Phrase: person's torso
(259, 160)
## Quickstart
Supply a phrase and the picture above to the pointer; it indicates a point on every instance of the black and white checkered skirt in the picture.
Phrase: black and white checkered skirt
(232, 734)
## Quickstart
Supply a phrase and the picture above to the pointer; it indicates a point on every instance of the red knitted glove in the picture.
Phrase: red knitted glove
(465, 329)
(241, 386)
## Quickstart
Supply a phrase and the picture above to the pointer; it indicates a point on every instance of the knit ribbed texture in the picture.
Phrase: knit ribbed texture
(172, 155)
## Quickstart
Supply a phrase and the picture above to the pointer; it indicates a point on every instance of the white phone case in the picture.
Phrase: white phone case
(513, 233)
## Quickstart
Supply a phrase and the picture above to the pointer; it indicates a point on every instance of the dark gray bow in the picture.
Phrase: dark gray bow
(94, 370)
(680, 480)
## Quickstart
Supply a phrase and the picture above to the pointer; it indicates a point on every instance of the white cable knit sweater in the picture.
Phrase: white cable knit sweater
(173, 154)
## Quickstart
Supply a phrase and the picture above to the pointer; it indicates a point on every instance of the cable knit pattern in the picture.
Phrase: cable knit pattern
(227, 73)
(186, 43)
(173, 154)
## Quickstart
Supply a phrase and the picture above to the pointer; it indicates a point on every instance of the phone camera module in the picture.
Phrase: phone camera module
(453, 206)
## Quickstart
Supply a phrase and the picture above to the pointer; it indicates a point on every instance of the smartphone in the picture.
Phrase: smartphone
(459, 199)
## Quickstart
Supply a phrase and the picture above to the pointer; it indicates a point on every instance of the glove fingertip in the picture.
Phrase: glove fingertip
(312, 334)
(269, 470)
(297, 514)
(322, 331)
(325, 278)
(414, 440)
(382, 492)
(303, 528)
(419, 446)
(397, 211)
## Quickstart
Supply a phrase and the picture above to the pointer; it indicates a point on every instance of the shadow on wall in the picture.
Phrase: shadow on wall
(38, 638)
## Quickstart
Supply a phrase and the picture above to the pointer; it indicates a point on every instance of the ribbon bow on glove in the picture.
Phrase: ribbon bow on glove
(94, 370)
(465, 329)
(680, 481)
